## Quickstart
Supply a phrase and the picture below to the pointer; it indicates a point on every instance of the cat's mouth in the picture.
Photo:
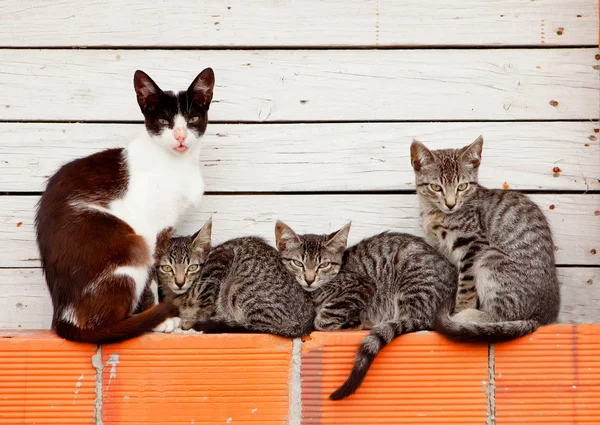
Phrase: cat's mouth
(180, 148)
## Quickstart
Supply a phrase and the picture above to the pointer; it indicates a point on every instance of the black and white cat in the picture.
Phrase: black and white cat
(98, 220)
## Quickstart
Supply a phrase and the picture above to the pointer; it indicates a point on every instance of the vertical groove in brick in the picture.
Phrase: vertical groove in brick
(491, 413)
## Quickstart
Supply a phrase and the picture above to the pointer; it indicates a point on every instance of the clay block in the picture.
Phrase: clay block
(197, 379)
(45, 379)
(549, 377)
(419, 378)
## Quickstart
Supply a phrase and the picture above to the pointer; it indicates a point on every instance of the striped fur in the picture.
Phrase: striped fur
(499, 240)
(239, 286)
(392, 284)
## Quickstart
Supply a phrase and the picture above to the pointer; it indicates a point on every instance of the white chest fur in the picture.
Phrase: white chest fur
(161, 189)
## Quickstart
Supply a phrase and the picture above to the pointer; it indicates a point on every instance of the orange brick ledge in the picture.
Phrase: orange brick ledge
(550, 377)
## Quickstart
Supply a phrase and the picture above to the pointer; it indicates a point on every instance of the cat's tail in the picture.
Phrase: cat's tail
(125, 329)
(472, 331)
(380, 336)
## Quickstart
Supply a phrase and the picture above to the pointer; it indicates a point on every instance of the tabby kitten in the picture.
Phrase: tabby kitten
(499, 240)
(98, 219)
(391, 283)
(238, 286)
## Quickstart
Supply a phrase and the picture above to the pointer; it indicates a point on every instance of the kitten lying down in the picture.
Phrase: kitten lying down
(238, 286)
(391, 283)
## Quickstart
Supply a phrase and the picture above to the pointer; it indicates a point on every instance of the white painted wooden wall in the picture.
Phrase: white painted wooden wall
(315, 106)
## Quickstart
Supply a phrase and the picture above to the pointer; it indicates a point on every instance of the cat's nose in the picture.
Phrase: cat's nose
(309, 279)
(180, 284)
(450, 206)
(180, 134)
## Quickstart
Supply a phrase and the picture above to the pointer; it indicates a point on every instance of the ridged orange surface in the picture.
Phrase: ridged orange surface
(418, 379)
(45, 380)
(550, 377)
(197, 379)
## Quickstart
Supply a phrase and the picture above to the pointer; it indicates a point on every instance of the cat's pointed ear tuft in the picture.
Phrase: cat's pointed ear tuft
(285, 237)
(146, 90)
(420, 156)
(338, 241)
(201, 240)
(471, 154)
(201, 89)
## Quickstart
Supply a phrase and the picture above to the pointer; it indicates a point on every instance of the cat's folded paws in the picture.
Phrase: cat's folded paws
(168, 325)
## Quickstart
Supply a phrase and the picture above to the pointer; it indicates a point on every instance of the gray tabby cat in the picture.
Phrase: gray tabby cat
(238, 286)
(392, 283)
(499, 240)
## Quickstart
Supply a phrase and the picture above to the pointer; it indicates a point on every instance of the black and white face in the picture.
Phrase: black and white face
(175, 121)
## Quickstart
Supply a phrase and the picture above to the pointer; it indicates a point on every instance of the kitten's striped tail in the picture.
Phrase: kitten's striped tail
(380, 336)
(479, 331)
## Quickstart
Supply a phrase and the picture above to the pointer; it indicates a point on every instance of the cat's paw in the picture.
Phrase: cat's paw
(168, 325)
(187, 324)
(176, 322)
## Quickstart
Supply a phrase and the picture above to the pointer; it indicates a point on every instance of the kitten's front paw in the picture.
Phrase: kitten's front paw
(168, 325)
(187, 324)
(176, 322)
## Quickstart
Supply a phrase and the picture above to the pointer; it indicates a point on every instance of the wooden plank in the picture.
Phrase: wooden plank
(293, 23)
(310, 85)
(324, 157)
(575, 220)
(26, 304)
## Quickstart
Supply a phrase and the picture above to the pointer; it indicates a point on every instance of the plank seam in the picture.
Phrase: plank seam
(294, 122)
(324, 48)
(341, 192)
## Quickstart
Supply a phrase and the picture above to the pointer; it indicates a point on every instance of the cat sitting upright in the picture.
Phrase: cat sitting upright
(500, 241)
(98, 220)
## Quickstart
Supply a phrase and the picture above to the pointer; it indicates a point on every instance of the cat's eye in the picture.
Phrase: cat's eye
(163, 121)
(298, 263)
(324, 265)
(435, 187)
(192, 268)
(166, 268)
(462, 186)
(193, 120)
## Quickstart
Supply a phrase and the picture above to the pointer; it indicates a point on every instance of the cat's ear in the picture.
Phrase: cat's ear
(201, 240)
(338, 241)
(201, 89)
(163, 241)
(472, 154)
(285, 237)
(146, 90)
(420, 156)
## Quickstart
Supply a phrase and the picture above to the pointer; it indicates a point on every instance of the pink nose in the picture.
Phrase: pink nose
(180, 134)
